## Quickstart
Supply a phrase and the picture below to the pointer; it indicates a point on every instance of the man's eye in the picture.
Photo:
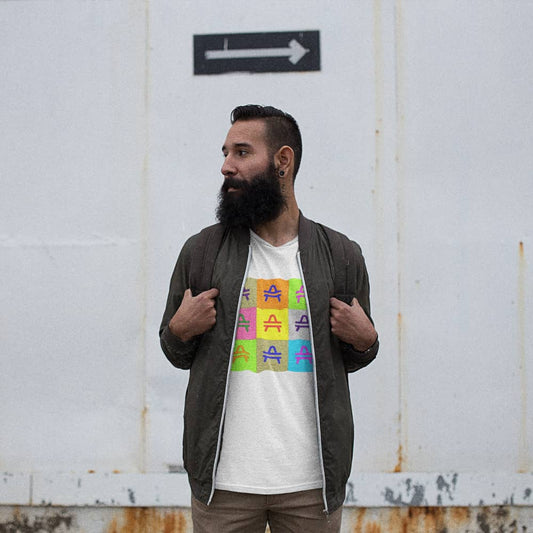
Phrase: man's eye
(242, 152)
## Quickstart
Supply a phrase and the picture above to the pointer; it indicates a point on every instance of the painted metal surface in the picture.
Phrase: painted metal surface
(417, 144)
(363, 490)
(356, 520)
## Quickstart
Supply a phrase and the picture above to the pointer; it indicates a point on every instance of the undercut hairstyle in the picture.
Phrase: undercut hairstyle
(281, 128)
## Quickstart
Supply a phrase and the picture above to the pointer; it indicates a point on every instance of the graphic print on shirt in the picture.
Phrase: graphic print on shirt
(273, 330)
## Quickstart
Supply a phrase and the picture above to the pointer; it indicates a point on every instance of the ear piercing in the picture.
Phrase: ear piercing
(281, 173)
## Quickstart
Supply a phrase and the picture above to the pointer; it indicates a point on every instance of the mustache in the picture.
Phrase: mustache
(234, 183)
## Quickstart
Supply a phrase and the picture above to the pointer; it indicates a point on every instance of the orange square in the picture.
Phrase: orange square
(272, 293)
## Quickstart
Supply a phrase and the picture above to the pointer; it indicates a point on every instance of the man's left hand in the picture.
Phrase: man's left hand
(351, 324)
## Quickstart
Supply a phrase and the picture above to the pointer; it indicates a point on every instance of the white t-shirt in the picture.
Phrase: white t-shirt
(270, 439)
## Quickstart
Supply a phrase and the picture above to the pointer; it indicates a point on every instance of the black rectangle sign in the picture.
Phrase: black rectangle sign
(286, 51)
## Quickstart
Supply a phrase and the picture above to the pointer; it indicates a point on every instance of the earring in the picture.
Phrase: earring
(281, 173)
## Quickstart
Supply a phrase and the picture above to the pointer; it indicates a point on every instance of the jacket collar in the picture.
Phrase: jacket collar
(241, 234)
(305, 232)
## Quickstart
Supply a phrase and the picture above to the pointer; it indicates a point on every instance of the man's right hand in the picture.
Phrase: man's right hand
(195, 315)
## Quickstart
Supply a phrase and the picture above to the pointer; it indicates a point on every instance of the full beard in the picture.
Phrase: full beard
(254, 203)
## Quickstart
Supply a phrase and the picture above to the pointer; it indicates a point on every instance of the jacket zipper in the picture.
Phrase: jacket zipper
(319, 435)
(219, 441)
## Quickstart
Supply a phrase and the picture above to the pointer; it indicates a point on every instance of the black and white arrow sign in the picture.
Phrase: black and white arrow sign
(256, 52)
(294, 52)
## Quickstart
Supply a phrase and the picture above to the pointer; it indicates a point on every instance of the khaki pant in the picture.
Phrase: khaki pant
(236, 512)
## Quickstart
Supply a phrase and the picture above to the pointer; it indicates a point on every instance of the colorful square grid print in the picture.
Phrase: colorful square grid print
(273, 328)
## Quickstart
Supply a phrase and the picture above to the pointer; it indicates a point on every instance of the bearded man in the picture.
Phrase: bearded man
(268, 435)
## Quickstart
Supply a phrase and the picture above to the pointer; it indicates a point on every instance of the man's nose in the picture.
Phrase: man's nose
(228, 169)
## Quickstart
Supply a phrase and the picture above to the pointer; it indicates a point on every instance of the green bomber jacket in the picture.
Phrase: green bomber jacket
(208, 357)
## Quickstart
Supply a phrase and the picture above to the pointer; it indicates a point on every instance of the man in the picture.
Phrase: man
(268, 431)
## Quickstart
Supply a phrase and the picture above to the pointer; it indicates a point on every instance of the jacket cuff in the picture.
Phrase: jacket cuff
(354, 359)
(178, 352)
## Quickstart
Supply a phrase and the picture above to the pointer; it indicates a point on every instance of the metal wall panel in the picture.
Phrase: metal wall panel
(464, 193)
(72, 150)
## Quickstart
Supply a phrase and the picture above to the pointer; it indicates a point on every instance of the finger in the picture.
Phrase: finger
(211, 293)
(336, 303)
(356, 306)
(187, 294)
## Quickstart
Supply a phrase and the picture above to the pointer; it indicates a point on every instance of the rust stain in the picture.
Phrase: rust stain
(144, 433)
(175, 523)
(459, 515)
(419, 519)
(430, 518)
(510, 519)
(398, 467)
(359, 520)
(149, 520)
(410, 519)
(365, 526)
(436, 519)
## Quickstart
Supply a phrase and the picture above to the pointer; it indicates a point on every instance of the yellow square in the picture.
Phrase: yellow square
(273, 324)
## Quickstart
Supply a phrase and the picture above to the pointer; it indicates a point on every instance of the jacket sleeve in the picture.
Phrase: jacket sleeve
(353, 359)
(179, 353)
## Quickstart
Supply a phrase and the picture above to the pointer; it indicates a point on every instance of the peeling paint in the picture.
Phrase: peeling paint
(176, 468)
(350, 498)
(363, 489)
(449, 488)
(415, 491)
(22, 522)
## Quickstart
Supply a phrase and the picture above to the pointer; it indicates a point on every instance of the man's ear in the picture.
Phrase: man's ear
(284, 158)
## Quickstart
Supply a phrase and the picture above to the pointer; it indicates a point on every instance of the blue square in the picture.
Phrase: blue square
(300, 356)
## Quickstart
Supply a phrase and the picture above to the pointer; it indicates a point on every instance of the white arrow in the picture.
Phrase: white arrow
(294, 52)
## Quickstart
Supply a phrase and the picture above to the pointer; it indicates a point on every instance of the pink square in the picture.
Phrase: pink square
(246, 323)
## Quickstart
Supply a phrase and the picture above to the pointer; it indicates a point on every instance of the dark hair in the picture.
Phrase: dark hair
(281, 128)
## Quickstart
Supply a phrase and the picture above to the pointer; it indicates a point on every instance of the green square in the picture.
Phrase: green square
(244, 356)
(297, 298)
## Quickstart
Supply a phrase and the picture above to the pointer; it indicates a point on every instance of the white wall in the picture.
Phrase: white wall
(417, 135)
(73, 144)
